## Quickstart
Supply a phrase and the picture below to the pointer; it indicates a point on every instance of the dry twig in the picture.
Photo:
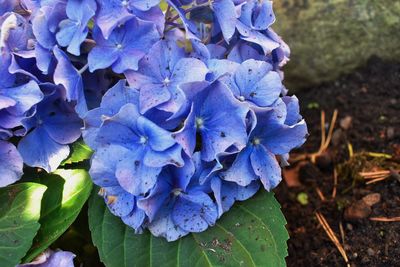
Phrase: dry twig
(332, 236)
(384, 219)
(376, 176)
(335, 182)
(342, 235)
(320, 194)
(325, 139)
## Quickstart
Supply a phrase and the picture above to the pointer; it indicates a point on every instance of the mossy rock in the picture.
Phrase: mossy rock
(332, 37)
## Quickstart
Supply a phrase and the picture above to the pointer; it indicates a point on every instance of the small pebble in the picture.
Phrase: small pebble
(372, 199)
(358, 210)
(349, 226)
(345, 123)
(390, 133)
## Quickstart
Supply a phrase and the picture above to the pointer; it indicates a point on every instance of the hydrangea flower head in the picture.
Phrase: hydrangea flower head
(184, 107)
(200, 121)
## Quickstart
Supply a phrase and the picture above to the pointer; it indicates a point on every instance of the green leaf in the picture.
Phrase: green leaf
(80, 152)
(68, 190)
(252, 233)
(19, 216)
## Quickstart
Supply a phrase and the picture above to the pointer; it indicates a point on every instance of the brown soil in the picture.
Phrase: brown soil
(371, 97)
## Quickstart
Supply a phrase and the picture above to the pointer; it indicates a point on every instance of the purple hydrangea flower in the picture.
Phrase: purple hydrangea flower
(112, 101)
(218, 118)
(159, 78)
(74, 29)
(45, 21)
(15, 36)
(51, 258)
(17, 102)
(150, 148)
(54, 126)
(256, 17)
(226, 15)
(125, 46)
(255, 82)
(115, 12)
(178, 204)
(276, 133)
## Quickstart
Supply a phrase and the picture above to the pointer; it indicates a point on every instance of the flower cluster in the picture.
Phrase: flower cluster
(196, 117)
(35, 112)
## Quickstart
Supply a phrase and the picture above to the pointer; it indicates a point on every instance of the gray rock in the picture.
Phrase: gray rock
(333, 37)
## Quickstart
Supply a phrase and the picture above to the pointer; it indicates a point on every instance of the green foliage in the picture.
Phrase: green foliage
(67, 192)
(19, 220)
(80, 152)
(252, 233)
(302, 198)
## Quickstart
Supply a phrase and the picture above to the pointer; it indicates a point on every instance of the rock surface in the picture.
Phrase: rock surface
(332, 37)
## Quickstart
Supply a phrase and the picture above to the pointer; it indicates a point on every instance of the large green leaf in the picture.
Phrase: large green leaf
(79, 152)
(19, 216)
(252, 233)
(67, 192)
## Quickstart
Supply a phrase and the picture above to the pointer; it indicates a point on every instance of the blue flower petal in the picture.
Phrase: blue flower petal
(226, 15)
(50, 258)
(220, 119)
(135, 219)
(120, 202)
(10, 164)
(126, 45)
(243, 51)
(113, 100)
(224, 193)
(241, 172)
(276, 136)
(110, 14)
(257, 15)
(154, 14)
(257, 82)
(164, 226)
(134, 176)
(170, 156)
(40, 28)
(38, 149)
(186, 137)
(253, 36)
(157, 197)
(74, 30)
(68, 76)
(104, 163)
(144, 4)
(266, 167)
(246, 192)
(25, 96)
(194, 212)
(293, 110)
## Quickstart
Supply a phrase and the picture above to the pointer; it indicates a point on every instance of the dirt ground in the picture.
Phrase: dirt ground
(368, 105)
